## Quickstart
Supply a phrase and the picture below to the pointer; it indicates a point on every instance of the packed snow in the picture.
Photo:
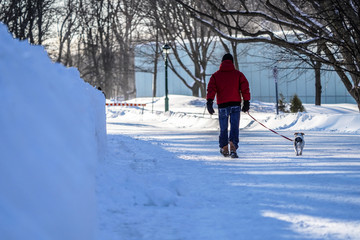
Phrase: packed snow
(164, 177)
(158, 175)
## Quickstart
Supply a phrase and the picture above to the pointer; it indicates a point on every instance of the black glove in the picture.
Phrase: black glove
(246, 106)
(209, 106)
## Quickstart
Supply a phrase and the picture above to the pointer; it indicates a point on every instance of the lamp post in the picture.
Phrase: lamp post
(166, 51)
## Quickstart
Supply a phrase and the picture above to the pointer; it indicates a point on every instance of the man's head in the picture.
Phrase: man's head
(227, 56)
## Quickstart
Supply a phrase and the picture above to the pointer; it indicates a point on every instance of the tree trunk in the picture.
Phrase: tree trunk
(318, 87)
(195, 89)
(355, 93)
(234, 50)
(203, 89)
(155, 64)
(39, 6)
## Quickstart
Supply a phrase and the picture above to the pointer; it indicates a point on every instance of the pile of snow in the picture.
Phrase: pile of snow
(53, 132)
(328, 117)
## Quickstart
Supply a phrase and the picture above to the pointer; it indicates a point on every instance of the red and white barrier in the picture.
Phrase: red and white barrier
(126, 104)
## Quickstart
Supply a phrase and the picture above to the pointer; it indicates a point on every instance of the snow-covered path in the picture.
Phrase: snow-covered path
(163, 182)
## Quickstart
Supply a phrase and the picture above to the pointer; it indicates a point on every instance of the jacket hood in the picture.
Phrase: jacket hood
(226, 66)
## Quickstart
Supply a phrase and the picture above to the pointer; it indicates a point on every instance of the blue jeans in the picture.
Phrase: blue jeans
(224, 114)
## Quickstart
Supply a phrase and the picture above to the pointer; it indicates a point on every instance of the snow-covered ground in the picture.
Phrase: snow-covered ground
(163, 177)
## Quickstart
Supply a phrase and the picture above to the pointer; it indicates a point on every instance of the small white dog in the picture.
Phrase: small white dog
(299, 143)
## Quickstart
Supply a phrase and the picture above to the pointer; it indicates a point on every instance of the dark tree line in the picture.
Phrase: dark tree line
(28, 19)
(96, 36)
(99, 38)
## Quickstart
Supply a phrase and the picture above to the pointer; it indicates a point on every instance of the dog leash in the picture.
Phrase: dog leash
(269, 128)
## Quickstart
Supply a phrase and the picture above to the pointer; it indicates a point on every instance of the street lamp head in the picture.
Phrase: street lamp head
(166, 49)
(275, 72)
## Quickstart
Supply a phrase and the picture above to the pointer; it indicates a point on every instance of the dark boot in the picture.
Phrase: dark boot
(225, 151)
(233, 153)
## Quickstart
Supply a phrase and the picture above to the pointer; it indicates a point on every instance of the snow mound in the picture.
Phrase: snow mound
(53, 132)
(190, 112)
(307, 121)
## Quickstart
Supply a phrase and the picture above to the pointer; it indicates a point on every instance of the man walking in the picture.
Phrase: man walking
(230, 86)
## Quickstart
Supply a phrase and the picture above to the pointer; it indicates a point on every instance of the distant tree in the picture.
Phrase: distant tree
(301, 63)
(296, 105)
(126, 30)
(97, 44)
(188, 39)
(151, 41)
(108, 29)
(68, 26)
(28, 19)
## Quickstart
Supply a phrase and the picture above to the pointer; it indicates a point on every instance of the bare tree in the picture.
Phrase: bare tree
(107, 30)
(68, 25)
(99, 48)
(185, 35)
(28, 19)
(302, 26)
(151, 40)
(126, 22)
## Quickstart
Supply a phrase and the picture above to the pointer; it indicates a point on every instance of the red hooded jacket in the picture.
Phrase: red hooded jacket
(228, 84)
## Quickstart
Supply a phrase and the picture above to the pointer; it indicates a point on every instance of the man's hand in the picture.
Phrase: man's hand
(246, 106)
(209, 106)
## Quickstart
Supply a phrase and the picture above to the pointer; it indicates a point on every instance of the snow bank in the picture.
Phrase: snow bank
(190, 112)
(343, 118)
(52, 134)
